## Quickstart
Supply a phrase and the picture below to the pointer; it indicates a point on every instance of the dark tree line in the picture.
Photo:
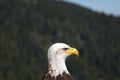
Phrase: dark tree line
(29, 27)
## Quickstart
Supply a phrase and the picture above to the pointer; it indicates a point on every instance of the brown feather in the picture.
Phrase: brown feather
(64, 76)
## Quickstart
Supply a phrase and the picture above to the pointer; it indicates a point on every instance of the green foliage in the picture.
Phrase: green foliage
(29, 27)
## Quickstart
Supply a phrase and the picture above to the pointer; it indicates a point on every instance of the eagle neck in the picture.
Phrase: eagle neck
(57, 67)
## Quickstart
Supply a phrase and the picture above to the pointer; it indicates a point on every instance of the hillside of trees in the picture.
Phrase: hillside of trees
(29, 27)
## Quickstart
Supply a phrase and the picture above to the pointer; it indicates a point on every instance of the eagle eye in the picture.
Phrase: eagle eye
(65, 48)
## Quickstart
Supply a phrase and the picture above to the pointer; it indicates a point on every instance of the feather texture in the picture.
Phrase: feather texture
(57, 55)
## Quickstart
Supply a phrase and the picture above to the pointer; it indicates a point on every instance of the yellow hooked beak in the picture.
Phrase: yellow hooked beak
(72, 51)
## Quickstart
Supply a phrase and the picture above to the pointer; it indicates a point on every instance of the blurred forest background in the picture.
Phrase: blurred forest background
(29, 27)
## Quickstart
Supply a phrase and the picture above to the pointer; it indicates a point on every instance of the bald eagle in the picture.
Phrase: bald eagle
(57, 55)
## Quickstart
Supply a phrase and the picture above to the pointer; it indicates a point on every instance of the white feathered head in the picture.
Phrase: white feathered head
(57, 55)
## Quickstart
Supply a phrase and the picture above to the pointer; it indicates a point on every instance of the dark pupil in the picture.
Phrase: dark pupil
(65, 48)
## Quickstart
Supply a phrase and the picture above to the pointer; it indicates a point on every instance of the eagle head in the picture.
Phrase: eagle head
(57, 55)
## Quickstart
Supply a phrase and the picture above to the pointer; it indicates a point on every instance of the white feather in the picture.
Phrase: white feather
(56, 59)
